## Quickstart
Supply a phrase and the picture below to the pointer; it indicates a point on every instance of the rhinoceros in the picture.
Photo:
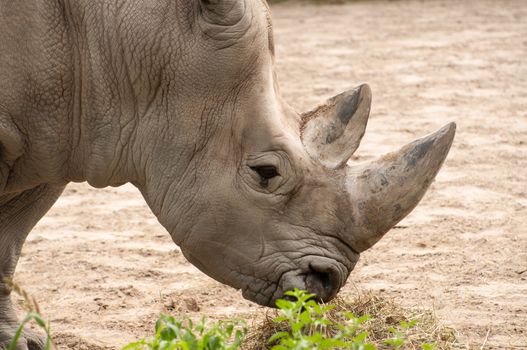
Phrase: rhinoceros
(180, 98)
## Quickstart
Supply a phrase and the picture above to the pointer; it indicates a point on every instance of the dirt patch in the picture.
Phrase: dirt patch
(103, 268)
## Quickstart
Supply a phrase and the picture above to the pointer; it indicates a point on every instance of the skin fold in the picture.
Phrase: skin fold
(181, 99)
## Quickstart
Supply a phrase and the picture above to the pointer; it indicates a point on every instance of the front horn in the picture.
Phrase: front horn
(223, 12)
(383, 192)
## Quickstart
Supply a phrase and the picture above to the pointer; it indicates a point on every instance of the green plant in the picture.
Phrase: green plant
(173, 334)
(398, 340)
(301, 324)
(309, 324)
(33, 314)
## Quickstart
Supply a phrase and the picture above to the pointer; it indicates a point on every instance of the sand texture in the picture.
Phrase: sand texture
(103, 268)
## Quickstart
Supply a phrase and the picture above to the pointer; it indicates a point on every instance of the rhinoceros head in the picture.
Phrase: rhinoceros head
(266, 202)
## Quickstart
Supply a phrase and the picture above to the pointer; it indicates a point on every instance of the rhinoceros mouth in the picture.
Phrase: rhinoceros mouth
(318, 275)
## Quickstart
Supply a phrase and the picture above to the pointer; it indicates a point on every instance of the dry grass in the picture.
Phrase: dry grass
(30, 303)
(384, 313)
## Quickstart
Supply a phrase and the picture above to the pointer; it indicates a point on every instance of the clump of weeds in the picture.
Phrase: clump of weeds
(300, 323)
(367, 322)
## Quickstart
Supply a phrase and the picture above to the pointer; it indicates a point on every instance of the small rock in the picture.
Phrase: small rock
(191, 304)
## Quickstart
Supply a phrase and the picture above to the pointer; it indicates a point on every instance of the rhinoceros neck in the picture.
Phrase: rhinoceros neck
(124, 98)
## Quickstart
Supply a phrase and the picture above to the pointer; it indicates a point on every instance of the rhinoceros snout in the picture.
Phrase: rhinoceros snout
(321, 278)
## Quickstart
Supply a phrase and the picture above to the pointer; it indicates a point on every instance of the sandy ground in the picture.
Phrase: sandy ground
(103, 268)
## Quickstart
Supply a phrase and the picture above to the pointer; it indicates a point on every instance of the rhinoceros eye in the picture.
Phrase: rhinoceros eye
(266, 173)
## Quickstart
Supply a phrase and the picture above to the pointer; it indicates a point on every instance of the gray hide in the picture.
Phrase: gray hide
(180, 98)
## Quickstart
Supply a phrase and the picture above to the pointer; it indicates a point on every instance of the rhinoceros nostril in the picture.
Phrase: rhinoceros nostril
(321, 278)
(322, 284)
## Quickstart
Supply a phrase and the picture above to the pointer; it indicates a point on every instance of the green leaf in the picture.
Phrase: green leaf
(428, 346)
(279, 347)
(214, 343)
(296, 327)
(20, 329)
(190, 339)
(407, 325)
(363, 319)
(284, 304)
(135, 345)
(305, 317)
(279, 319)
(361, 337)
(228, 329)
(278, 336)
(39, 321)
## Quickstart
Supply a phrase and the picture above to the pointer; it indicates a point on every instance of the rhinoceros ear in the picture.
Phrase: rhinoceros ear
(223, 12)
(332, 132)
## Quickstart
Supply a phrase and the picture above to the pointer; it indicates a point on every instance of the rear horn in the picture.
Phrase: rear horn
(333, 131)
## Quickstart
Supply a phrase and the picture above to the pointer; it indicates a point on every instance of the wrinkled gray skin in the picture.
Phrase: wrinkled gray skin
(180, 98)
